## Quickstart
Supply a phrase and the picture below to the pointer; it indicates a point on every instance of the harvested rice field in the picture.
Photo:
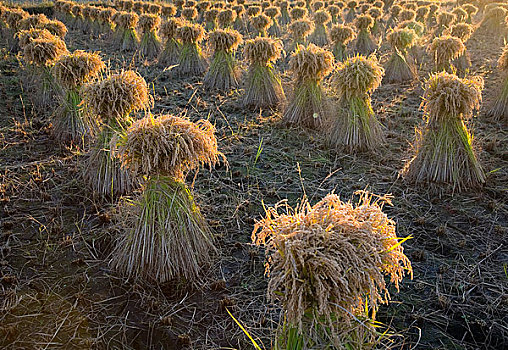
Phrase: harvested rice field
(254, 175)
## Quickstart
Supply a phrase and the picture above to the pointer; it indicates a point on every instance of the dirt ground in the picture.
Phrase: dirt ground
(57, 290)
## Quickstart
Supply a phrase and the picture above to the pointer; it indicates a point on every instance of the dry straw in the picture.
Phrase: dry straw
(365, 43)
(112, 100)
(298, 13)
(494, 20)
(56, 28)
(43, 52)
(263, 87)
(340, 36)
(166, 238)
(171, 52)
(319, 36)
(444, 152)
(168, 146)
(191, 61)
(32, 22)
(150, 46)
(300, 30)
(308, 106)
(444, 49)
(211, 19)
(356, 127)
(400, 68)
(71, 123)
(128, 35)
(499, 109)
(26, 36)
(223, 73)
(274, 14)
(327, 265)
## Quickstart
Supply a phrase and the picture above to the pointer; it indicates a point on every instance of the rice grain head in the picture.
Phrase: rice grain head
(262, 50)
(444, 49)
(149, 22)
(189, 33)
(358, 76)
(364, 22)
(402, 38)
(447, 95)
(168, 145)
(311, 62)
(115, 97)
(342, 34)
(44, 52)
(26, 36)
(78, 68)
(226, 40)
(327, 262)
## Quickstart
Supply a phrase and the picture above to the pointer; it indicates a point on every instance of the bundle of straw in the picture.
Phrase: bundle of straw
(471, 11)
(351, 11)
(356, 127)
(273, 13)
(263, 87)
(150, 46)
(191, 61)
(285, 18)
(70, 122)
(399, 68)
(377, 15)
(499, 109)
(444, 151)
(42, 53)
(493, 21)
(127, 29)
(326, 265)
(335, 13)
(319, 36)
(340, 36)
(171, 52)
(112, 101)
(365, 43)
(444, 21)
(166, 237)
(223, 73)
(298, 13)
(308, 106)
(463, 31)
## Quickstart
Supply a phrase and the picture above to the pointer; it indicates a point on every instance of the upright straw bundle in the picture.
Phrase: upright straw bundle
(444, 151)
(319, 36)
(327, 265)
(41, 54)
(166, 237)
(499, 108)
(274, 14)
(223, 73)
(150, 46)
(463, 31)
(365, 43)
(308, 106)
(171, 52)
(128, 35)
(340, 36)
(356, 127)
(260, 24)
(71, 123)
(191, 61)
(263, 87)
(399, 68)
(494, 20)
(112, 100)
(226, 18)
